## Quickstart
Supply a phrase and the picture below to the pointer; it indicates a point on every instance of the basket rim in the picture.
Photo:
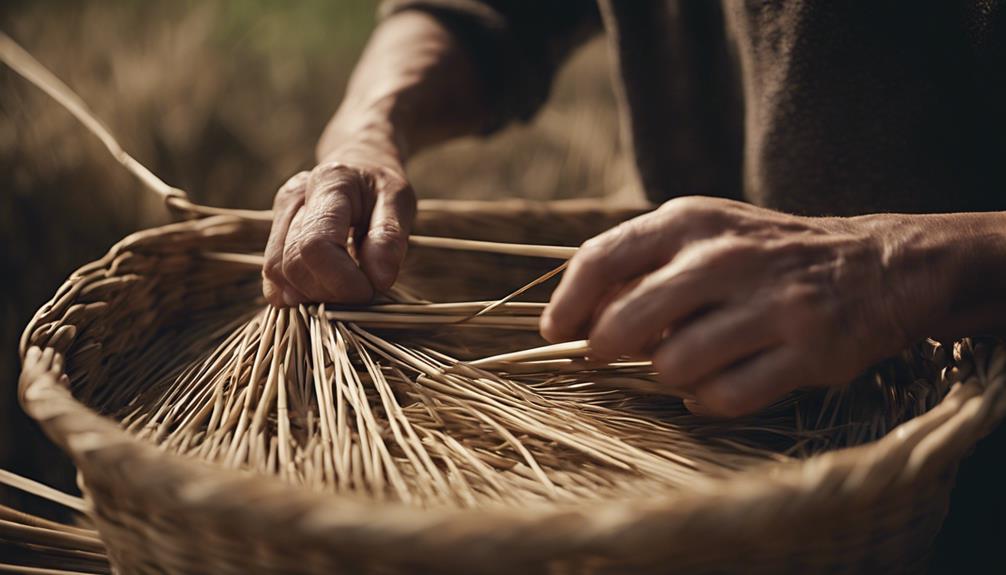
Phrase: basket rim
(921, 446)
(916, 449)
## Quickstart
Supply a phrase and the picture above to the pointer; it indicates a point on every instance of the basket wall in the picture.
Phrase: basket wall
(868, 508)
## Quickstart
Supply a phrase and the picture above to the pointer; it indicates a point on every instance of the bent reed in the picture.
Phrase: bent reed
(330, 398)
(439, 405)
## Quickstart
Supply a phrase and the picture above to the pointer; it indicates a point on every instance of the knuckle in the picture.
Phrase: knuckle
(591, 248)
(631, 230)
(581, 264)
(389, 236)
(592, 253)
(695, 211)
(602, 244)
(295, 183)
(273, 270)
(344, 185)
(291, 190)
(684, 205)
(333, 176)
(390, 180)
(330, 170)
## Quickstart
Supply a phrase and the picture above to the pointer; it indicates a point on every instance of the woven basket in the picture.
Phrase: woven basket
(873, 507)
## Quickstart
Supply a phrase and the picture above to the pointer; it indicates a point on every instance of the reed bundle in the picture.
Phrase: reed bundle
(412, 435)
(332, 405)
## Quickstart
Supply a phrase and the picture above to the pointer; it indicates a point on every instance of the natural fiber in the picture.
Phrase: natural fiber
(412, 436)
(33, 544)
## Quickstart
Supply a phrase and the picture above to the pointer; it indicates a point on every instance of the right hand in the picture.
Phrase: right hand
(356, 189)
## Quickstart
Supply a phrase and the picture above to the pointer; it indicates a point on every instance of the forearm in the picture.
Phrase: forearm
(413, 87)
(950, 270)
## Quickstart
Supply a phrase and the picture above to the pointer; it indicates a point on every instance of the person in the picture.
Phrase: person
(832, 177)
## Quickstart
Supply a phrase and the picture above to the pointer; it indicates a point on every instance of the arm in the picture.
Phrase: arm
(414, 87)
(433, 70)
(738, 305)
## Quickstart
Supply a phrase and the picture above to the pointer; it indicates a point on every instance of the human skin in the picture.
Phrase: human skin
(736, 305)
(413, 87)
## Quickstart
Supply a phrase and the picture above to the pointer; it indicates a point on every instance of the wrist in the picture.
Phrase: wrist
(367, 131)
(977, 304)
(944, 272)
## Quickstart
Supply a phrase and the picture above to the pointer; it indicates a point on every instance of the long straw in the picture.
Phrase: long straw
(309, 395)
(40, 490)
(32, 70)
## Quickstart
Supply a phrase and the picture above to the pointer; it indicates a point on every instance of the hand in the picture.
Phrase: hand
(415, 86)
(359, 189)
(738, 305)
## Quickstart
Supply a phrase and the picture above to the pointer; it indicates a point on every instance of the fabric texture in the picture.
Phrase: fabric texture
(807, 106)
(518, 46)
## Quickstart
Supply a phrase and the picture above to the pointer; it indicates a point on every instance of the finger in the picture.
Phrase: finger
(383, 249)
(614, 294)
(303, 286)
(616, 256)
(289, 199)
(674, 292)
(702, 348)
(696, 280)
(315, 260)
(751, 385)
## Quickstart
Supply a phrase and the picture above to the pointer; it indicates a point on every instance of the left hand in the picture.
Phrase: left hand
(738, 305)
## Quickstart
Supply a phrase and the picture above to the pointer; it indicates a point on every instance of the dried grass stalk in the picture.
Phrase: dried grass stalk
(374, 401)
(33, 544)
(314, 396)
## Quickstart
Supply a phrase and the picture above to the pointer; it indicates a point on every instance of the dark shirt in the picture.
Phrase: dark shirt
(807, 106)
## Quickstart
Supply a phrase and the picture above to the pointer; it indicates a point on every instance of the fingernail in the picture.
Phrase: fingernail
(290, 298)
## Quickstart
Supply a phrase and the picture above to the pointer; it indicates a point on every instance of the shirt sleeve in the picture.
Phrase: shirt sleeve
(517, 45)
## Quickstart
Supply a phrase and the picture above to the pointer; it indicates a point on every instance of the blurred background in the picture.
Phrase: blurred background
(225, 99)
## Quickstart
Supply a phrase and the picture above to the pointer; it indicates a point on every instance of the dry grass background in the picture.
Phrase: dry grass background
(225, 99)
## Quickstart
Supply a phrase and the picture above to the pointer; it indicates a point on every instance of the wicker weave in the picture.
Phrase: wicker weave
(868, 508)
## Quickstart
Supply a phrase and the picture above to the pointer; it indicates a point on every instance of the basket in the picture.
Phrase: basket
(872, 507)
(868, 508)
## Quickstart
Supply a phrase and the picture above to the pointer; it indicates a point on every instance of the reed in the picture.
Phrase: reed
(408, 403)
(316, 397)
